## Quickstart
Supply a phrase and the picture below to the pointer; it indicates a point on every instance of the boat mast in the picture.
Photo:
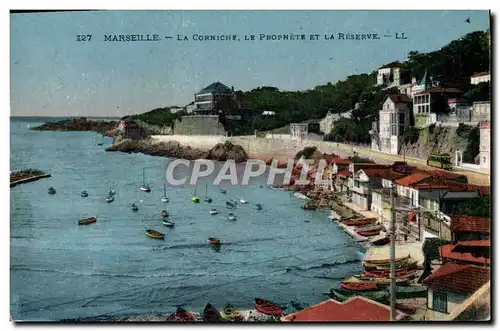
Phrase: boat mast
(165, 189)
(143, 179)
(206, 189)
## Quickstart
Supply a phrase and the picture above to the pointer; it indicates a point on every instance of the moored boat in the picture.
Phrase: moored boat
(223, 191)
(403, 280)
(386, 267)
(214, 211)
(87, 221)
(206, 198)
(109, 199)
(144, 187)
(230, 205)
(182, 315)
(381, 242)
(154, 234)
(135, 207)
(369, 233)
(267, 307)
(211, 314)
(164, 213)
(229, 313)
(84, 194)
(343, 296)
(359, 221)
(243, 201)
(232, 217)
(213, 241)
(259, 206)
(168, 223)
(52, 190)
(164, 198)
(359, 286)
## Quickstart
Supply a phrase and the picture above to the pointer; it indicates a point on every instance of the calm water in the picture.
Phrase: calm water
(60, 270)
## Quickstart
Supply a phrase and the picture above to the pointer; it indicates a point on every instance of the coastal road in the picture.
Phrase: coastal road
(476, 178)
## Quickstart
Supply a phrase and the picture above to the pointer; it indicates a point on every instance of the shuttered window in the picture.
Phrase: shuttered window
(439, 301)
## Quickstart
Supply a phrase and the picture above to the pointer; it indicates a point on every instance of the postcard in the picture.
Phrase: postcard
(250, 166)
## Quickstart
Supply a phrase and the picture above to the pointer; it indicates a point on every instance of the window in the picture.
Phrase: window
(439, 302)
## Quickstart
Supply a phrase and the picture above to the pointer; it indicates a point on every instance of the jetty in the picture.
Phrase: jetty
(26, 176)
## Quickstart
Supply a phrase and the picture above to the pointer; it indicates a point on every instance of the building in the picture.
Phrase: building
(484, 145)
(326, 124)
(130, 130)
(394, 120)
(299, 131)
(213, 98)
(465, 228)
(476, 252)
(393, 74)
(199, 125)
(354, 309)
(450, 285)
(481, 111)
(430, 102)
(365, 178)
(174, 109)
(481, 77)
(455, 103)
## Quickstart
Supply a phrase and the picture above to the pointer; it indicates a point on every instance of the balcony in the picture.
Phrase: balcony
(399, 201)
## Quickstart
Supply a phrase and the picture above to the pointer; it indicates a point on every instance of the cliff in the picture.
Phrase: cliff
(443, 140)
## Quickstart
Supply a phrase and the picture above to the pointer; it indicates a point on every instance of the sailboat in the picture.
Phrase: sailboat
(164, 197)
(144, 187)
(111, 192)
(207, 198)
(194, 198)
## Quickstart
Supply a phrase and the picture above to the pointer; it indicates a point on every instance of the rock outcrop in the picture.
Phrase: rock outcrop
(78, 124)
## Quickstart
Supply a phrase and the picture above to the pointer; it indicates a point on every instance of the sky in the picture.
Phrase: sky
(52, 74)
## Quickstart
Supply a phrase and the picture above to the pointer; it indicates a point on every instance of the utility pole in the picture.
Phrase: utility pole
(392, 237)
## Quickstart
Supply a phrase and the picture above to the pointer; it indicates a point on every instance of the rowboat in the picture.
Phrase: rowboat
(214, 211)
(52, 190)
(401, 260)
(213, 241)
(154, 234)
(403, 280)
(381, 241)
(232, 217)
(259, 206)
(230, 205)
(267, 307)
(369, 228)
(87, 221)
(243, 201)
(386, 267)
(164, 213)
(84, 194)
(359, 286)
(230, 314)
(182, 315)
(211, 314)
(368, 233)
(109, 199)
(135, 207)
(387, 274)
(359, 221)
(376, 296)
(168, 223)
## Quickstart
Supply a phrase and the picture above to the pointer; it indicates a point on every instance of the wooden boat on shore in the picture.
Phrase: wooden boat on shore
(401, 260)
(232, 217)
(359, 286)
(375, 295)
(369, 228)
(154, 234)
(387, 274)
(267, 307)
(213, 241)
(381, 242)
(413, 265)
(369, 233)
(168, 223)
(182, 315)
(87, 221)
(52, 190)
(229, 313)
(211, 314)
(359, 221)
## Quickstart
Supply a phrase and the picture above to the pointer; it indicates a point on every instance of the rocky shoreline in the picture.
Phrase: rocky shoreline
(78, 124)
(172, 149)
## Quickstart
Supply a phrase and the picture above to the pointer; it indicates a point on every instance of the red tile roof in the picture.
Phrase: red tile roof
(479, 74)
(395, 64)
(344, 173)
(448, 253)
(389, 174)
(399, 98)
(354, 309)
(473, 243)
(413, 179)
(445, 174)
(459, 278)
(470, 224)
(440, 90)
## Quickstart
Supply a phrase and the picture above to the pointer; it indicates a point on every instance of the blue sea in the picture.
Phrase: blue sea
(60, 270)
